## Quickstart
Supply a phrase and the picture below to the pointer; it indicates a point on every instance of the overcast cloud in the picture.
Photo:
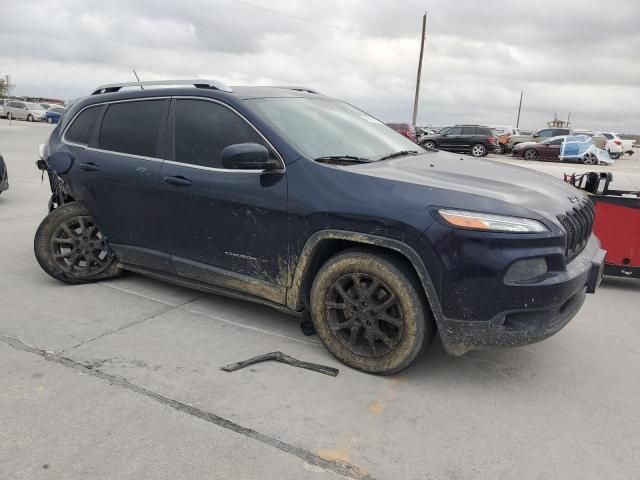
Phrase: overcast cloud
(581, 57)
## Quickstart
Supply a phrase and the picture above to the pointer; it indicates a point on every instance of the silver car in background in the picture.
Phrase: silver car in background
(31, 112)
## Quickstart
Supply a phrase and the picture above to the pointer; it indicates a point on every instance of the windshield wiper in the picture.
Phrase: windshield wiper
(401, 153)
(342, 159)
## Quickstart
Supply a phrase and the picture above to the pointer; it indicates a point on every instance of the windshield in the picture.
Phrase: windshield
(321, 127)
(34, 106)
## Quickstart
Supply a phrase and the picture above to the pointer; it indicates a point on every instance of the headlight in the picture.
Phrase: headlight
(490, 222)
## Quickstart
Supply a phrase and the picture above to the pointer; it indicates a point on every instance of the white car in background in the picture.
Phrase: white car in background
(626, 146)
(3, 110)
(31, 112)
(614, 145)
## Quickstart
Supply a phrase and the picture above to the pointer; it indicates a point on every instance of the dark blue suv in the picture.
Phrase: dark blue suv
(286, 197)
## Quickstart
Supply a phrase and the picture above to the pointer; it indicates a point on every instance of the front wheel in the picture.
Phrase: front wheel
(70, 247)
(589, 159)
(369, 311)
(49, 120)
(478, 150)
(430, 145)
(29, 118)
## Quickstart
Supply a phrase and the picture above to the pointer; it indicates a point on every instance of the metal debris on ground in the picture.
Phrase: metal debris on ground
(283, 358)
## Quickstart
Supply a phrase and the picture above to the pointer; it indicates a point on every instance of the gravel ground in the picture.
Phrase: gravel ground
(121, 380)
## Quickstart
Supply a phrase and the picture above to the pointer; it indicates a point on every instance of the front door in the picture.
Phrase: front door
(452, 138)
(226, 227)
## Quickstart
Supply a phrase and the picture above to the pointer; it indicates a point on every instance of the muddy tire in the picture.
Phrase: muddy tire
(70, 247)
(370, 312)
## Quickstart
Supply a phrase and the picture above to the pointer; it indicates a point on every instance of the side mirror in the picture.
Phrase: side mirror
(248, 156)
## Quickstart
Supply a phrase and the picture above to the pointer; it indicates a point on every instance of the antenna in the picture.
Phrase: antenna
(137, 78)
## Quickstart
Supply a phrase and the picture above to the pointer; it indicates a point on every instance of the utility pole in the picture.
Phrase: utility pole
(415, 101)
(519, 108)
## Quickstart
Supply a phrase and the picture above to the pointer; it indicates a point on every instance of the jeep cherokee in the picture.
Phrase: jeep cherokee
(292, 199)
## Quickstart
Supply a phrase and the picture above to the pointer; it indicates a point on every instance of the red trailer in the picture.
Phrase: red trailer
(617, 222)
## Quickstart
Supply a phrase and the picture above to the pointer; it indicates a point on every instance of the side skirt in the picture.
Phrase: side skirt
(208, 288)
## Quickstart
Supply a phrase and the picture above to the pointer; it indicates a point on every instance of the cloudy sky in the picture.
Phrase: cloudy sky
(581, 57)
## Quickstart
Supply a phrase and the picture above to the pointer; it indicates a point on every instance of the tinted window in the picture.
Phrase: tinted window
(82, 127)
(545, 133)
(455, 131)
(560, 131)
(469, 130)
(557, 141)
(132, 127)
(204, 129)
(608, 136)
(489, 132)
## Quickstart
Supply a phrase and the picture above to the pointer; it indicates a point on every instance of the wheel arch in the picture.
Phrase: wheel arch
(325, 244)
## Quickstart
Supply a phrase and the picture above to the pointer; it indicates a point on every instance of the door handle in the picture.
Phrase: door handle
(178, 181)
(89, 167)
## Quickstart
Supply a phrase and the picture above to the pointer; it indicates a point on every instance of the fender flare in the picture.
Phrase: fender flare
(295, 300)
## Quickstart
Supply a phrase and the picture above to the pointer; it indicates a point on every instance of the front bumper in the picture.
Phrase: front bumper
(485, 312)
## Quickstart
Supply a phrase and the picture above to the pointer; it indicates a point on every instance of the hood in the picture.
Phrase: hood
(487, 183)
(521, 145)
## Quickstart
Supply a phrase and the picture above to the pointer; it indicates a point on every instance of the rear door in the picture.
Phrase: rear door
(468, 137)
(118, 151)
(226, 227)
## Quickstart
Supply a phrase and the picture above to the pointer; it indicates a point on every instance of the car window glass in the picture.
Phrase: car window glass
(608, 136)
(545, 133)
(203, 129)
(132, 127)
(444, 131)
(455, 131)
(556, 141)
(82, 127)
(469, 130)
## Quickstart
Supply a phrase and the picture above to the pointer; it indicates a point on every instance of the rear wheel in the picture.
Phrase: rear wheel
(589, 159)
(503, 148)
(614, 156)
(530, 154)
(369, 312)
(478, 150)
(70, 247)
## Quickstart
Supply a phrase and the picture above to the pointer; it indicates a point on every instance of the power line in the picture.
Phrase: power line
(302, 19)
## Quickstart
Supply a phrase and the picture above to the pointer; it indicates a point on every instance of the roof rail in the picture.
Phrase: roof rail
(298, 89)
(198, 83)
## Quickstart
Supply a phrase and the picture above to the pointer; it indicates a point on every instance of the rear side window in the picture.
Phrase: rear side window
(132, 127)
(608, 136)
(203, 129)
(82, 127)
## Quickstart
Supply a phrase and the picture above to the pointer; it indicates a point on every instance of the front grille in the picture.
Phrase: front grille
(578, 223)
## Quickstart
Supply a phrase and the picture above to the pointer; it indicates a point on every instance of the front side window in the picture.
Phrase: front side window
(555, 141)
(320, 127)
(455, 131)
(132, 127)
(469, 130)
(82, 127)
(203, 129)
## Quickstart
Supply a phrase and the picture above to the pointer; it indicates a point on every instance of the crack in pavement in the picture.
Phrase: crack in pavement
(124, 327)
(336, 466)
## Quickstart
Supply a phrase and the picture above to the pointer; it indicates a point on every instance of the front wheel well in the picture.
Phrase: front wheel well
(329, 248)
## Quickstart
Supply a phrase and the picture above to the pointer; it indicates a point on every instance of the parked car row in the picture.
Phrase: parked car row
(579, 148)
(30, 111)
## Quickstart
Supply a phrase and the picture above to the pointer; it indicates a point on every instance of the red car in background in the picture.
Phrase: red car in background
(406, 129)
